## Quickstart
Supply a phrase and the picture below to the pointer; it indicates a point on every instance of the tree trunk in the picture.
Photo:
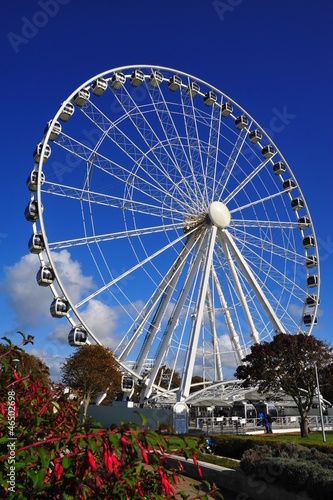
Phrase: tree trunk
(86, 401)
(304, 424)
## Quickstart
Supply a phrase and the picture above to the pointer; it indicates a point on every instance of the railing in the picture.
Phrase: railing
(237, 425)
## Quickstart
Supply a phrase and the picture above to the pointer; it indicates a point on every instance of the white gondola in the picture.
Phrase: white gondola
(297, 204)
(38, 151)
(241, 122)
(137, 77)
(45, 276)
(174, 83)
(311, 261)
(99, 86)
(118, 80)
(192, 89)
(312, 300)
(226, 109)
(59, 307)
(155, 79)
(67, 112)
(309, 319)
(312, 280)
(56, 129)
(255, 136)
(32, 180)
(304, 222)
(210, 98)
(31, 211)
(81, 97)
(289, 185)
(127, 383)
(77, 336)
(268, 152)
(36, 243)
(309, 241)
(279, 168)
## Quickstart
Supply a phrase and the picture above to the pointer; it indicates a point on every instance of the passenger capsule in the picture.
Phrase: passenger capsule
(210, 98)
(67, 112)
(312, 280)
(255, 136)
(192, 89)
(297, 204)
(268, 152)
(174, 83)
(45, 276)
(241, 122)
(81, 97)
(309, 319)
(99, 86)
(31, 211)
(137, 77)
(36, 243)
(289, 185)
(304, 222)
(155, 79)
(59, 307)
(77, 336)
(38, 152)
(32, 180)
(308, 241)
(311, 261)
(226, 109)
(279, 168)
(118, 80)
(56, 129)
(127, 383)
(312, 300)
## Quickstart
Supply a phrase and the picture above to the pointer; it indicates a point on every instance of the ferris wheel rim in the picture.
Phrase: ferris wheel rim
(40, 168)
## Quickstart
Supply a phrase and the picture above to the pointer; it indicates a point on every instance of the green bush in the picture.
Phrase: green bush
(294, 467)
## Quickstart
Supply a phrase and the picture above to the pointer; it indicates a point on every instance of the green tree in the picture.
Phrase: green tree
(91, 369)
(288, 364)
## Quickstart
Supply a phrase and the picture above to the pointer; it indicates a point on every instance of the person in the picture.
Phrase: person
(269, 423)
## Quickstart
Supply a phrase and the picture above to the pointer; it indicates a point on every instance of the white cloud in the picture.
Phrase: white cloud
(29, 302)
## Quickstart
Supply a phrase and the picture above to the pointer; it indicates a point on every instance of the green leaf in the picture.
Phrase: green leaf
(142, 418)
(44, 457)
(21, 333)
(56, 405)
(66, 462)
(7, 340)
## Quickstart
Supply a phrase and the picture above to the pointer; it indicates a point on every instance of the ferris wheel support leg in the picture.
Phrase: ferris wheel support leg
(233, 271)
(174, 318)
(155, 325)
(215, 340)
(249, 276)
(144, 315)
(184, 389)
(232, 331)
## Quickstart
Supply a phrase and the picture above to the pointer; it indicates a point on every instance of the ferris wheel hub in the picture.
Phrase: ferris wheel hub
(219, 214)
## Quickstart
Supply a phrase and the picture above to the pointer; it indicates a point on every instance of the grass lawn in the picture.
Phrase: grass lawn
(313, 438)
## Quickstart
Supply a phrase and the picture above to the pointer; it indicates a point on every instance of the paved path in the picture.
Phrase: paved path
(185, 485)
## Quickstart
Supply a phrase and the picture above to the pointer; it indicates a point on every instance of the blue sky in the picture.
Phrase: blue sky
(273, 58)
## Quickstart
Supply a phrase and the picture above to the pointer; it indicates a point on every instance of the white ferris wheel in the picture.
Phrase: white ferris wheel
(185, 220)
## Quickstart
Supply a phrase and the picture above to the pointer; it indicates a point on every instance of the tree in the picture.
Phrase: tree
(30, 365)
(288, 364)
(326, 383)
(91, 369)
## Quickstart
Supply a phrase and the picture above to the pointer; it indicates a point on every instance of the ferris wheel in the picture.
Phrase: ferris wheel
(169, 227)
